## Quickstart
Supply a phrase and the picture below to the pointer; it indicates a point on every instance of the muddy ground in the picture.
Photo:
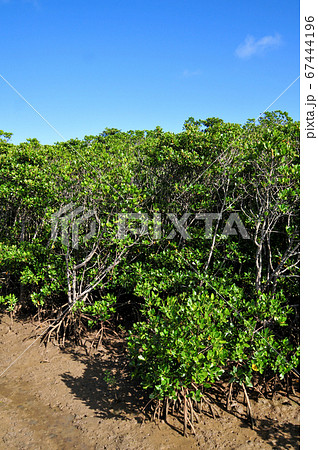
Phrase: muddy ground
(58, 399)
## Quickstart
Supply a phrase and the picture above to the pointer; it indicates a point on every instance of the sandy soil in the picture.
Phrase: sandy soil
(58, 399)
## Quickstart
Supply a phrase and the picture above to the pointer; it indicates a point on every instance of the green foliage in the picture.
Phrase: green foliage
(191, 340)
(9, 302)
(179, 344)
(100, 310)
(109, 378)
(214, 305)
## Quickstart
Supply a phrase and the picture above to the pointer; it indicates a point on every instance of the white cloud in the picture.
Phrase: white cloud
(188, 73)
(251, 46)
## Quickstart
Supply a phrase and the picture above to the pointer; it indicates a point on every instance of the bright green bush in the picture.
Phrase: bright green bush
(179, 343)
(218, 307)
(192, 339)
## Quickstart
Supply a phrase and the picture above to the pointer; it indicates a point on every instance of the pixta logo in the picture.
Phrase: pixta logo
(69, 224)
(69, 218)
(127, 224)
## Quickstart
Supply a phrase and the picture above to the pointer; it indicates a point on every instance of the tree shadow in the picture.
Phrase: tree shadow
(107, 389)
(281, 435)
(106, 386)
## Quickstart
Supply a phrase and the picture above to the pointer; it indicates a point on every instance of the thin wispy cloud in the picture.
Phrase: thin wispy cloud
(191, 73)
(251, 47)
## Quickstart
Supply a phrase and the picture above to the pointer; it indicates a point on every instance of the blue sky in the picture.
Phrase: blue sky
(87, 65)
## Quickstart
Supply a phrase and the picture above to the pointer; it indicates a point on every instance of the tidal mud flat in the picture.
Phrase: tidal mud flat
(53, 398)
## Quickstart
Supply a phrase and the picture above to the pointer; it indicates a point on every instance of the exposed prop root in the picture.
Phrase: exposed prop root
(249, 406)
(67, 322)
(167, 401)
(229, 398)
(186, 407)
(70, 324)
(185, 413)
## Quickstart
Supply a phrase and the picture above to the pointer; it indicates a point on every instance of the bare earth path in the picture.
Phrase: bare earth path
(54, 399)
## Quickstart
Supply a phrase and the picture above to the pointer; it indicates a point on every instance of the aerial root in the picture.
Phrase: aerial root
(211, 405)
(249, 406)
(185, 413)
(229, 397)
(167, 402)
(64, 321)
(183, 404)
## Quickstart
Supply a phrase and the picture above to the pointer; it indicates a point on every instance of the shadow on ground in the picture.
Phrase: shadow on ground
(281, 435)
(106, 386)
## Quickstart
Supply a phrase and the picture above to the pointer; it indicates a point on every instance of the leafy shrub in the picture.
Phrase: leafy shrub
(9, 302)
(179, 343)
(187, 342)
(216, 307)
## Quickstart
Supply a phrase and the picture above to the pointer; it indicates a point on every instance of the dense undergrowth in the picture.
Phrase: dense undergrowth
(190, 239)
